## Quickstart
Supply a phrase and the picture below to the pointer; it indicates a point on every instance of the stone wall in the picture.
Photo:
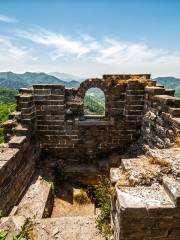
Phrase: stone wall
(64, 130)
(50, 120)
(18, 156)
(161, 121)
(16, 169)
(145, 204)
(147, 212)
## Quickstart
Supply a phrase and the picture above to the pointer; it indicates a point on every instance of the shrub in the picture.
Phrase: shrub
(81, 197)
(25, 231)
(161, 162)
(101, 193)
(3, 234)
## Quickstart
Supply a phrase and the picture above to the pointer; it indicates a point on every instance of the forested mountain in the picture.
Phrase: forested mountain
(171, 83)
(16, 81)
(66, 77)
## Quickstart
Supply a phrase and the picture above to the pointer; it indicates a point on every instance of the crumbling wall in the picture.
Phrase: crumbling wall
(147, 212)
(19, 153)
(64, 130)
(161, 121)
(150, 211)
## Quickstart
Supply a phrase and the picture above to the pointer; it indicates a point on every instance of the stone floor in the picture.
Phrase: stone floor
(67, 228)
(148, 168)
(64, 204)
(63, 228)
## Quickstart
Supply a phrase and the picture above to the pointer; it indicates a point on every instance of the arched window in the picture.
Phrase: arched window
(94, 102)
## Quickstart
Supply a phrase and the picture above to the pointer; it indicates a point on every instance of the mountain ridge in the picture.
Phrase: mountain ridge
(27, 79)
(170, 82)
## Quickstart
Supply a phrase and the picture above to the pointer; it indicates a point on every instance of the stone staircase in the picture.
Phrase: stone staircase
(67, 228)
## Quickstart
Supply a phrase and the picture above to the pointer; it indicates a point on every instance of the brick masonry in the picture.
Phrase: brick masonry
(64, 131)
(50, 120)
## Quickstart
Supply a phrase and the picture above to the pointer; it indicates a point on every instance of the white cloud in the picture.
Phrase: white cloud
(108, 50)
(13, 55)
(7, 19)
(61, 44)
(88, 56)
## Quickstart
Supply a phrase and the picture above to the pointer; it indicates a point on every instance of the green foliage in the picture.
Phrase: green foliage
(3, 234)
(24, 233)
(93, 106)
(7, 105)
(46, 213)
(5, 110)
(7, 95)
(81, 197)
(101, 195)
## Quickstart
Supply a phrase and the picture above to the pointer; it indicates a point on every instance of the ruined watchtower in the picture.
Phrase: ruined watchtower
(141, 125)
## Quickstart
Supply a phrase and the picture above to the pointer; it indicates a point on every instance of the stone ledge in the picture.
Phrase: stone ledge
(126, 76)
(49, 86)
(172, 187)
(155, 90)
(37, 201)
(16, 115)
(25, 91)
(17, 141)
(92, 122)
(175, 112)
(7, 153)
(170, 92)
(142, 201)
(167, 100)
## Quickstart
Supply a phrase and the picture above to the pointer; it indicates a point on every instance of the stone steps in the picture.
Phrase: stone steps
(37, 201)
(67, 228)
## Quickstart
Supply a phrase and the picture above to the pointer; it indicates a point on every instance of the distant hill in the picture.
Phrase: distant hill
(66, 77)
(171, 83)
(16, 81)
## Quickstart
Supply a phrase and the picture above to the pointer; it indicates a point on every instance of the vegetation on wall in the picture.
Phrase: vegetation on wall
(7, 105)
(101, 195)
(24, 233)
(5, 109)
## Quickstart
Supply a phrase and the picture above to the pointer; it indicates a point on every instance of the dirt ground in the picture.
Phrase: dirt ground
(64, 204)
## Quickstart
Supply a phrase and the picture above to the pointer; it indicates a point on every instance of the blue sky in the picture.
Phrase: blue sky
(91, 37)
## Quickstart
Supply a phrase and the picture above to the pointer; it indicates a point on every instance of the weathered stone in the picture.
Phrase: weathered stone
(51, 119)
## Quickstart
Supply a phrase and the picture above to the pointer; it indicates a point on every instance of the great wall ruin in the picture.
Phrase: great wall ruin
(137, 141)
